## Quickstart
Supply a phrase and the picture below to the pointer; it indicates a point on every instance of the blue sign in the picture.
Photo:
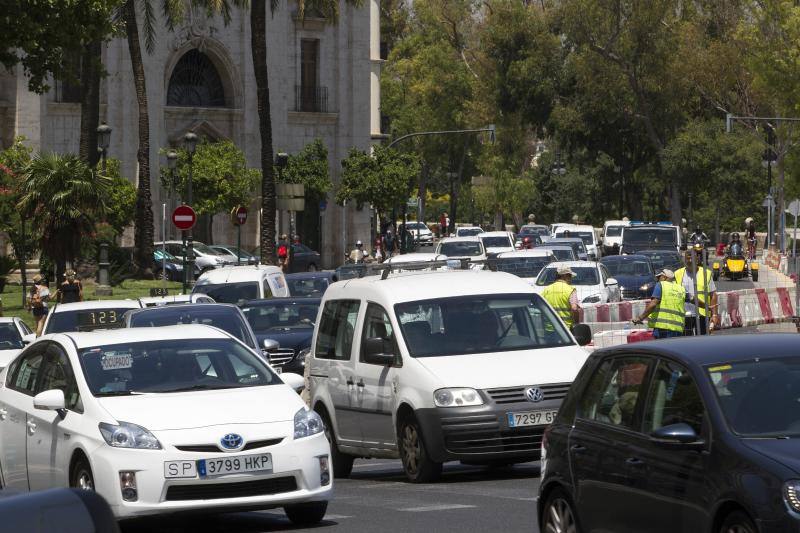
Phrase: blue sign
(323, 204)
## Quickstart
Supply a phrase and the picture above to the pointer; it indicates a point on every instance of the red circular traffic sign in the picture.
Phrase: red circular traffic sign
(184, 217)
(239, 216)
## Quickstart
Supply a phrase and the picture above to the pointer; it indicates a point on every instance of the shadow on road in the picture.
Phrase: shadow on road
(252, 522)
(452, 473)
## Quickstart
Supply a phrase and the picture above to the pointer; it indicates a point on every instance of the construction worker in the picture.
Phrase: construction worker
(563, 297)
(666, 307)
(696, 274)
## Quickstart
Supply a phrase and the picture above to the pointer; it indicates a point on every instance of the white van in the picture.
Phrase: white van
(432, 367)
(234, 284)
(612, 236)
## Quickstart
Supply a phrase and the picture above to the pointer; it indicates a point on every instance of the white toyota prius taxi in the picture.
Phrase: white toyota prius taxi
(161, 420)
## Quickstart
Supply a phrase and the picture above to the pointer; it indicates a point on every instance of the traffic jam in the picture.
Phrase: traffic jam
(260, 389)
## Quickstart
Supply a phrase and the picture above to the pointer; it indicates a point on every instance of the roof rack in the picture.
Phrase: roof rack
(360, 270)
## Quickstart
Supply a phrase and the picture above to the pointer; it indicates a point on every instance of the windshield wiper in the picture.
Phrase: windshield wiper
(200, 387)
(118, 393)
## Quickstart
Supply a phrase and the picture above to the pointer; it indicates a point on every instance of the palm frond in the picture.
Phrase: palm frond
(174, 12)
(149, 26)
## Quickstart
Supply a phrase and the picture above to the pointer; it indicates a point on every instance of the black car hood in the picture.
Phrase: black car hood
(296, 339)
(784, 451)
(632, 282)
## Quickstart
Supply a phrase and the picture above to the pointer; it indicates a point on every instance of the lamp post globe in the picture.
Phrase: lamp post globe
(103, 141)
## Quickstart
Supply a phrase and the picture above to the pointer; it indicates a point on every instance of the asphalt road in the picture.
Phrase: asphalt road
(377, 498)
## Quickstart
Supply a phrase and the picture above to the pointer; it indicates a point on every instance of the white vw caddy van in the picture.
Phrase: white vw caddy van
(439, 366)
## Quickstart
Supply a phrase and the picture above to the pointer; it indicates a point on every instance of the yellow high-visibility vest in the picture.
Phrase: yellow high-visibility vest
(703, 280)
(670, 313)
(557, 295)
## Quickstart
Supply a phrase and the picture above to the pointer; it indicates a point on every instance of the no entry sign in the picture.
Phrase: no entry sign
(239, 216)
(184, 217)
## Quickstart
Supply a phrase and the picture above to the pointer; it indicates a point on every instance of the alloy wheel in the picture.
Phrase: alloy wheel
(84, 481)
(411, 448)
(559, 517)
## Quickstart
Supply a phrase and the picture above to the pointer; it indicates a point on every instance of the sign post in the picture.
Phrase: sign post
(238, 218)
(794, 209)
(184, 218)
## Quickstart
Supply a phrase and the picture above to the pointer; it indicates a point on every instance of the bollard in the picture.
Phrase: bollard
(103, 288)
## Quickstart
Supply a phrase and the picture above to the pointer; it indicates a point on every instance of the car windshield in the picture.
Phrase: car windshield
(585, 236)
(281, 316)
(86, 319)
(661, 260)
(229, 293)
(172, 366)
(497, 242)
(628, 268)
(222, 317)
(468, 232)
(577, 246)
(649, 236)
(160, 255)
(614, 231)
(479, 324)
(205, 250)
(759, 396)
(460, 249)
(9, 337)
(307, 286)
(563, 254)
(582, 276)
(524, 267)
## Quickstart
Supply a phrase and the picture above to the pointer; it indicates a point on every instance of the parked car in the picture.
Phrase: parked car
(591, 280)
(165, 262)
(14, 335)
(304, 259)
(612, 236)
(161, 421)
(245, 258)
(698, 434)
(634, 273)
(289, 322)
(423, 236)
(311, 284)
(235, 284)
(204, 257)
(584, 233)
(439, 366)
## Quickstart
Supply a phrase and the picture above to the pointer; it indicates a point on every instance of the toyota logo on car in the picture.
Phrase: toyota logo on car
(232, 441)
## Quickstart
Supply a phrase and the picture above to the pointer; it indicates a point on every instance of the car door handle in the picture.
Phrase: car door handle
(360, 383)
(31, 427)
(634, 461)
(3, 414)
(350, 382)
(577, 448)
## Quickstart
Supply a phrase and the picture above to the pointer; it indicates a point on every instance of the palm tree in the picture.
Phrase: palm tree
(64, 198)
(258, 41)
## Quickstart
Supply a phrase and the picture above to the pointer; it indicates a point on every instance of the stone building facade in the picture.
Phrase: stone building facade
(324, 83)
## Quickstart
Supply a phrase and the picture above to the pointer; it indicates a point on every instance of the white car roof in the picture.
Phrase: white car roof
(235, 274)
(572, 264)
(85, 339)
(493, 234)
(96, 304)
(149, 301)
(469, 238)
(7, 319)
(616, 223)
(426, 285)
(415, 257)
(541, 252)
(576, 227)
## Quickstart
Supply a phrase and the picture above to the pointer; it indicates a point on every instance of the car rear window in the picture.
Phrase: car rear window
(460, 249)
(86, 319)
(223, 317)
(230, 293)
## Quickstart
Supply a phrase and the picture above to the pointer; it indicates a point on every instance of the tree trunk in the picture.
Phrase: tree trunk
(91, 65)
(422, 192)
(258, 42)
(455, 189)
(143, 227)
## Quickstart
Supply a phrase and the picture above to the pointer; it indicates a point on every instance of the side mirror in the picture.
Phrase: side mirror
(680, 433)
(51, 400)
(29, 338)
(582, 334)
(270, 345)
(610, 282)
(295, 381)
(378, 351)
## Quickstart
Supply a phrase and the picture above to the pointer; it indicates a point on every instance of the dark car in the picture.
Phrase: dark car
(659, 259)
(166, 262)
(304, 259)
(634, 273)
(638, 237)
(697, 434)
(311, 284)
(290, 322)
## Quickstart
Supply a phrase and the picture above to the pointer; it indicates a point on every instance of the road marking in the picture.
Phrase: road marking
(440, 507)
(373, 465)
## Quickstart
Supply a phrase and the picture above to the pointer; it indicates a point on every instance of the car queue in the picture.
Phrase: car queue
(410, 363)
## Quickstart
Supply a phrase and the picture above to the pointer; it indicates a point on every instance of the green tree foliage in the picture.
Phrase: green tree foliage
(309, 167)
(121, 203)
(383, 179)
(13, 161)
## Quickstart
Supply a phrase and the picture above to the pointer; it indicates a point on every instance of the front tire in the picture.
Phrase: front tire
(342, 463)
(418, 467)
(81, 476)
(558, 515)
(738, 522)
(306, 514)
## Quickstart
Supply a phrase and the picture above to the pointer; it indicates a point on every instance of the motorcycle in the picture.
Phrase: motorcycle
(735, 265)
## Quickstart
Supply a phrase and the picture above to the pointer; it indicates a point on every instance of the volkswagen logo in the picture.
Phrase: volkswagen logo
(231, 441)
(534, 394)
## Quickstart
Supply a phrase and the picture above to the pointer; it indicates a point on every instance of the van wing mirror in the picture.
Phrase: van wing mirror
(378, 351)
(676, 434)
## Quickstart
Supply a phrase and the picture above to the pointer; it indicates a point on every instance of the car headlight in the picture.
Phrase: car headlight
(307, 423)
(646, 287)
(592, 299)
(456, 397)
(302, 354)
(127, 435)
(791, 494)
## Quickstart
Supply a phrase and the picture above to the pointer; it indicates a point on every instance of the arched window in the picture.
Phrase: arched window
(195, 82)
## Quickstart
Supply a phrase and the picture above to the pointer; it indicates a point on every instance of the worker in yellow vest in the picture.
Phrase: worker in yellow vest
(686, 277)
(561, 295)
(666, 307)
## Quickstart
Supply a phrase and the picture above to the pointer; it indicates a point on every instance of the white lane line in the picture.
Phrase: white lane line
(441, 507)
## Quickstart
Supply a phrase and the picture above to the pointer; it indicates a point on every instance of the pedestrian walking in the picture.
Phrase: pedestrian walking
(443, 225)
(563, 297)
(666, 307)
(70, 290)
(696, 277)
(284, 253)
(38, 298)
(378, 250)
(390, 243)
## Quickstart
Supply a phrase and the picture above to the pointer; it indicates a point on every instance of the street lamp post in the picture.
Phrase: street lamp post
(103, 142)
(281, 160)
(172, 161)
(190, 144)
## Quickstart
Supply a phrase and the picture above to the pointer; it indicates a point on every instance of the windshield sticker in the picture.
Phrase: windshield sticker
(719, 368)
(116, 360)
